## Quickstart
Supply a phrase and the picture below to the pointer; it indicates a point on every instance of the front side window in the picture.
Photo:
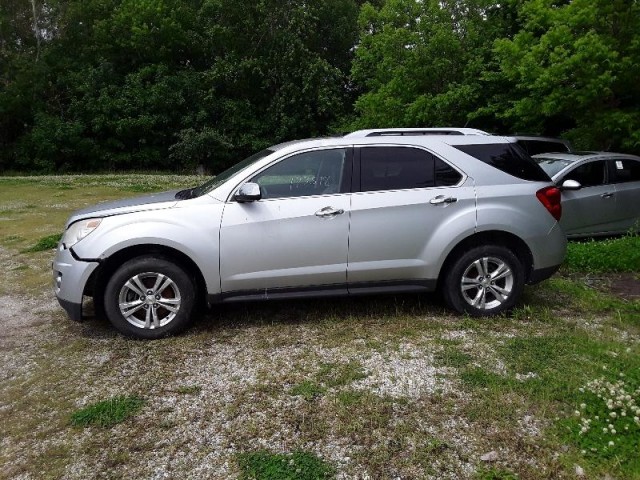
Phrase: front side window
(588, 174)
(319, 172)
(399, 168)
(624, 171)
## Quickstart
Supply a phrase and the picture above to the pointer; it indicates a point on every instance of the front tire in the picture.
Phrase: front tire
(485, 281)
(150, 297)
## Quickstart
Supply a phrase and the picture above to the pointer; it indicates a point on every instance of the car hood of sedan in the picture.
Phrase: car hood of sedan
(154, 201)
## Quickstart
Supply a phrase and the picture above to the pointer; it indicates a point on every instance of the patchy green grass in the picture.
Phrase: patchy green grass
(299, 465)
(45, 243)
(339, 374)
(308, 390)
(329, 375)
(107, 412)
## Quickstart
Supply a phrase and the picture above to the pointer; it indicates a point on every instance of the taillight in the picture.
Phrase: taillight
(550, 198)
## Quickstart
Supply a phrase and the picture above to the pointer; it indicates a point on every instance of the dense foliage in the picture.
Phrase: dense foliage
(171, 84)
(152, 84)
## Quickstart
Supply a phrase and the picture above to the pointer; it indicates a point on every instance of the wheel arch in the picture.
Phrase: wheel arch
(492, 237)
(100, 276)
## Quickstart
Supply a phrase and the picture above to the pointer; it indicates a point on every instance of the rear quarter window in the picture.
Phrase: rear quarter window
(508, 158)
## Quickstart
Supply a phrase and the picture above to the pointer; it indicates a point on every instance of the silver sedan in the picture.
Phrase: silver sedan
(600, 191)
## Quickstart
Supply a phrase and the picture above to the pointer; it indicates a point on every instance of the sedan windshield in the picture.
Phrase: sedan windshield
(222, 177)
(552, 165)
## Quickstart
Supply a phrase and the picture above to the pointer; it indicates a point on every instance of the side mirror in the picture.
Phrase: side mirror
(570, 185)
(249, 192)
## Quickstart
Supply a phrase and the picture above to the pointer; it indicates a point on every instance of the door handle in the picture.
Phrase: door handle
(607, 195)
(441, 199)
(329, 212)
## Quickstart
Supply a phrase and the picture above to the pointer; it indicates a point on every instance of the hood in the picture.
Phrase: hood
(154, 201)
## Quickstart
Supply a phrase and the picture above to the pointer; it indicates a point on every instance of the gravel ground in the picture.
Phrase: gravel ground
(386, 405)
(242, 401)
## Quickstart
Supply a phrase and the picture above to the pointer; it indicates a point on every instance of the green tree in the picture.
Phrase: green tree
(420, 63)
(157, 84)
(573, 65)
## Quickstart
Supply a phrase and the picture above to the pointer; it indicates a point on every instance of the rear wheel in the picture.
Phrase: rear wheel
(149, 297)
(484, 281)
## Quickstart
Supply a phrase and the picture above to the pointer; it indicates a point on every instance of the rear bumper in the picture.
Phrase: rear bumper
(548, 253)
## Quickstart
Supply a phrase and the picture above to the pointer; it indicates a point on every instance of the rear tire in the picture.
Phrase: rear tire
(150, 297)
(484, 281)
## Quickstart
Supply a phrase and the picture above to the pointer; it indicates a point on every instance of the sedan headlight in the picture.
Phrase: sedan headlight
(79, 230)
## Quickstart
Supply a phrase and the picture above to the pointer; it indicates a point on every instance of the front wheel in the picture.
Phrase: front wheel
(485, 281)
(149, 297)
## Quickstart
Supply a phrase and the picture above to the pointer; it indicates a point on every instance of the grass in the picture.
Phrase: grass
(606, 422)
(276, 390)
(330, 375)
(107, 412)
(609, 255)
(300, 465)
(48, 242)
(308, 390)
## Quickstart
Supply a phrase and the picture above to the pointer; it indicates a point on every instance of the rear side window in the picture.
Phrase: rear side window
(399, 168)
(625, 171)
(446, 176)
(508, 158)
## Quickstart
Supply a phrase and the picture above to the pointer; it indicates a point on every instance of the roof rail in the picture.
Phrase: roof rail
(414, 132)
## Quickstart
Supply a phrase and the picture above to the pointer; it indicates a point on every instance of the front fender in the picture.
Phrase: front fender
(194, 231)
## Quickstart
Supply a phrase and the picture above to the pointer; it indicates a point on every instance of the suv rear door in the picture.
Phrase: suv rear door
(402, 196)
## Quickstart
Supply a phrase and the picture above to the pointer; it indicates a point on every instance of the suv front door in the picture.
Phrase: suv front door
(296, 235)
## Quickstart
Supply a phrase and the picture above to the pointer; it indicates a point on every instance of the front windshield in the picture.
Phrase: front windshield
(228, 173)
(552, 165)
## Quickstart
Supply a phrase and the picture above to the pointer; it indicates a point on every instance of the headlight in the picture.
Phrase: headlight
(79, 230)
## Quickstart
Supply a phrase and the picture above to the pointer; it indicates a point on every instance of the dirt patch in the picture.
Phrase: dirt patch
(625, 285)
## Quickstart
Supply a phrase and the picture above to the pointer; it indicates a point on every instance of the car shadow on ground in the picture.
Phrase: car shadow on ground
(245, 315)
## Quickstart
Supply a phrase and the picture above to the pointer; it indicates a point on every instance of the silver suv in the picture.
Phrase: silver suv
(469, 214)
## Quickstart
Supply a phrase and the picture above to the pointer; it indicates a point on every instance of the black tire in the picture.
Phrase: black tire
(165, 306)
(467, 288)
